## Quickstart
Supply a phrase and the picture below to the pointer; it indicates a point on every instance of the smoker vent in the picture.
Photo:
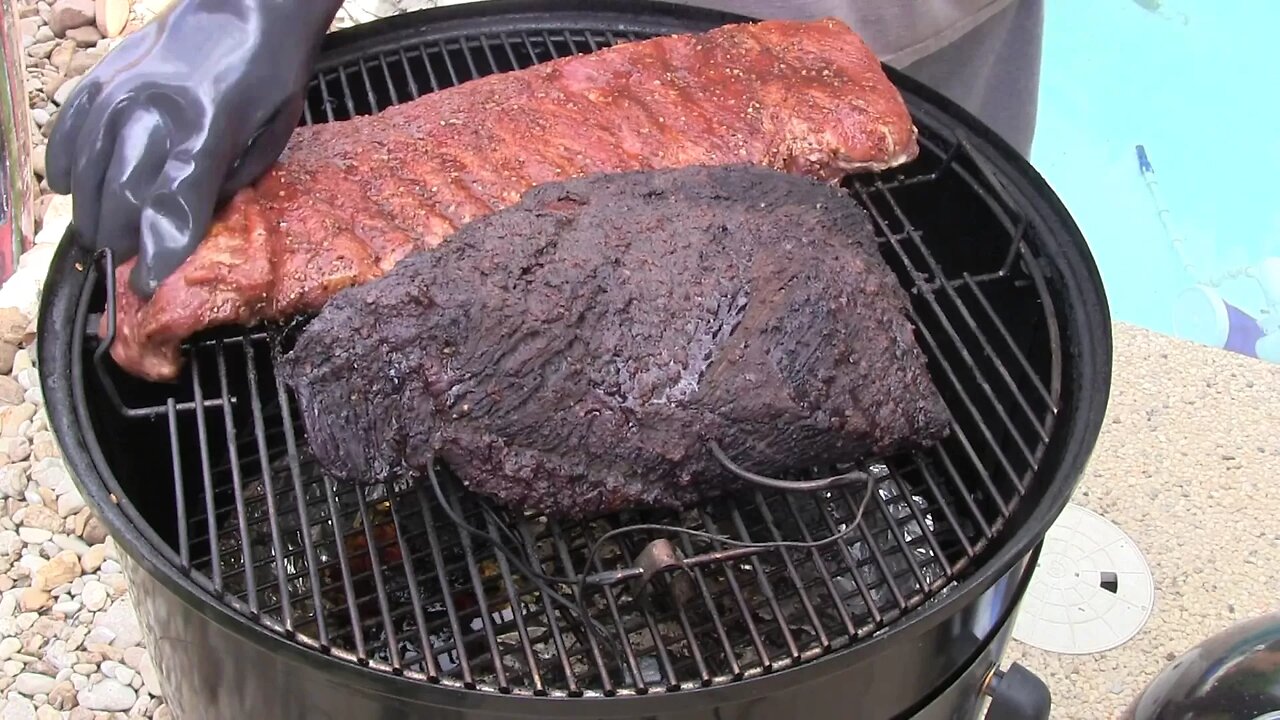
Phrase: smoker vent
(382, 577)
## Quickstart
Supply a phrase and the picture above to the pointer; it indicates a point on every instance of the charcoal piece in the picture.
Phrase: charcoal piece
(575, 352)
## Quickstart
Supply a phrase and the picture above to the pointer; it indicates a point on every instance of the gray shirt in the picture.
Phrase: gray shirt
(898, 31)
(983, 54)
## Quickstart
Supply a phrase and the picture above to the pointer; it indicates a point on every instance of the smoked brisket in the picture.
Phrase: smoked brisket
(575, 353)
(348, 200)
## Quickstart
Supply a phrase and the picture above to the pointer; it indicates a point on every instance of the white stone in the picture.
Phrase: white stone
(126, 674)
(10, 543)
(150, 679)
(95, 596)
(121, 620)
(28, 378)
(134, 656)
(72, 543)
(34, 536)
(29, 683)
(100, 636)
(107, 696)
(93, 558)
(52, 473)
(16, 449)
(8, 647)
(13, 482)
(59, 655)
(68, 608)
(32, 563)
(70, 503)
(18, 708)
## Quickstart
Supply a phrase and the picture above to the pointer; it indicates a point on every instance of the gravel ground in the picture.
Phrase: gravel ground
(1184, 465)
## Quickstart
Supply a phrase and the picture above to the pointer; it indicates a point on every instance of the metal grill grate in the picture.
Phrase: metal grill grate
(381, 577)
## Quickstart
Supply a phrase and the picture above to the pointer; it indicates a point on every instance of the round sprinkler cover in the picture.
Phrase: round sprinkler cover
(1091, 591)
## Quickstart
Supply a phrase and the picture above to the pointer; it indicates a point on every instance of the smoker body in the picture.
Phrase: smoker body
(1014, 319)
(933, 670)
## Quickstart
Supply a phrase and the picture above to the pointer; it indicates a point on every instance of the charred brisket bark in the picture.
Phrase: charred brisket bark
(348, 200)
(574, 353)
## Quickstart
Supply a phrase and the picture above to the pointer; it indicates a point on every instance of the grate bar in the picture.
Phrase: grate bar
(273, 515)
(348, 98)
(952, 521)
(651, 623)
(237, 481)
(448, 65)
(571, 679)
(328, 101)
(763, 507)
(562, 548)
(415, 597)
(903, 546)
(513, 598)
(731, 576)
(947, 368)
(916, 513)
(873, 608)
(1009, 342)
(869, 539)
(344, 567)
(712, 608)
(374, 549)
(409, 606)
(446, 596)
(299, 494)
(477, 584)
(628, 651)
(210, 512)
(765, 584)
(965, 353)
(506, 45)
(816, 557)
(179, 487)
(368, 86)
(471, 65)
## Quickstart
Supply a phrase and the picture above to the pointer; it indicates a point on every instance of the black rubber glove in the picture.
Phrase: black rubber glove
(192, 107)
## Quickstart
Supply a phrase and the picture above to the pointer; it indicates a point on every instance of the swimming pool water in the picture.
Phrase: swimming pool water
(1194, 84)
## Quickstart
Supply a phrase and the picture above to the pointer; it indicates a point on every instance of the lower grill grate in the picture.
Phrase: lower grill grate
(381, 576)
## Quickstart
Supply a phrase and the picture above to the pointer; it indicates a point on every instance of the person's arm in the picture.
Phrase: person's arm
(194, 106)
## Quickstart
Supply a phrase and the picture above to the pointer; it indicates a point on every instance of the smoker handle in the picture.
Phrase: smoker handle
(1017, 694)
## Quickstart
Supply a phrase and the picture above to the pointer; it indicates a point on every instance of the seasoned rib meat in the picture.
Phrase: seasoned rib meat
(348, 200)
(575, 353)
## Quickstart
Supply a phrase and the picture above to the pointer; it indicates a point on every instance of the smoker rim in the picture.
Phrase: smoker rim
(1088, 349)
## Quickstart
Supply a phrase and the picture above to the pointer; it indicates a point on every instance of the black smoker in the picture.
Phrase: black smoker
(267, 592)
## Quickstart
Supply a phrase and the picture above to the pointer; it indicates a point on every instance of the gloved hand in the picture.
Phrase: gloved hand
(192, 107)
